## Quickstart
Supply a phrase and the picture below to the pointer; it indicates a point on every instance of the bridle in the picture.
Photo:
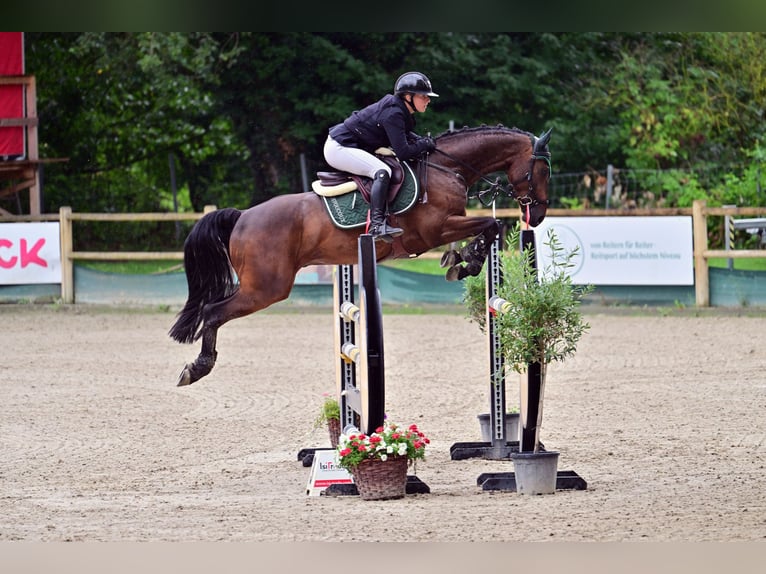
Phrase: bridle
(487, 196)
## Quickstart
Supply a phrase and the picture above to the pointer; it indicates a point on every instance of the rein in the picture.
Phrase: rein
(487, 196)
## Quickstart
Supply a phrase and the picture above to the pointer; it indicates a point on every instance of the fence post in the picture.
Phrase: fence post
(728, 224)
(699, 226)
(67, 265)
(609, 183)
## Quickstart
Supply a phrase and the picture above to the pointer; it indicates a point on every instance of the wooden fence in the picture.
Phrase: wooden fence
(69, 256)
(699, 213)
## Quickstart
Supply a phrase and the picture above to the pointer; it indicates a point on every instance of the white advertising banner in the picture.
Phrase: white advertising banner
(30, 253)
(623, 250)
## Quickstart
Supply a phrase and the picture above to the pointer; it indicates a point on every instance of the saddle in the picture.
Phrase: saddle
(347, 197)
(334, 183)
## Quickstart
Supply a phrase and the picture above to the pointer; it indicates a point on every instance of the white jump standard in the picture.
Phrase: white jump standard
(362, 399)
(360, 365)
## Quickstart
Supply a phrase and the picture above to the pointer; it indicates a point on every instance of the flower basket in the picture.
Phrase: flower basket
(378, 462)
(377, 479)
(333, 426)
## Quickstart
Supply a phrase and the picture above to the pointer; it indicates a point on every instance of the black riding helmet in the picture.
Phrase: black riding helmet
(414, 83)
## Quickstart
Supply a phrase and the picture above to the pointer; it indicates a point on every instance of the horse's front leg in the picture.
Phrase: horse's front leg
(474, 254)
(205, 361)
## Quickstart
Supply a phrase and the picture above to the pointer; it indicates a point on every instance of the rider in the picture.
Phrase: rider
(388, 122)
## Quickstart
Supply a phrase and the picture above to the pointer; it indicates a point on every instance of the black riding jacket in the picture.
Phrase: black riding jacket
(386, 123)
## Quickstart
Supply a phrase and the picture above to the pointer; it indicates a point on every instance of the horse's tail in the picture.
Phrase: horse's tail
(209, 274)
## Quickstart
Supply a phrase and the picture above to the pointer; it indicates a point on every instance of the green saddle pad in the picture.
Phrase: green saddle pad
(350, 209)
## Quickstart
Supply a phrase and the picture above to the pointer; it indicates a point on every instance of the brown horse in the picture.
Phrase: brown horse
(267, 244)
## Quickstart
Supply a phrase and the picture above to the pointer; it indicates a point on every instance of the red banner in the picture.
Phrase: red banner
(11, 97)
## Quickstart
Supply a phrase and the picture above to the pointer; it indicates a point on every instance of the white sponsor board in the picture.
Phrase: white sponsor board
(622, 250)
(326, 471)
(30, 253)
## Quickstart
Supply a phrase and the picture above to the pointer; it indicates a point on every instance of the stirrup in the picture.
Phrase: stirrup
(391, 230)
(384, 232)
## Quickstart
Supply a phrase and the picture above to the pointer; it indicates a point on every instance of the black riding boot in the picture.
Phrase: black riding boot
(379, 229)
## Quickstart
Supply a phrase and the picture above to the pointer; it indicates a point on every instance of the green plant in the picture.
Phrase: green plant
(543, 322)
(389, 440)
(572, 203)
(475, 299)
(330, 411)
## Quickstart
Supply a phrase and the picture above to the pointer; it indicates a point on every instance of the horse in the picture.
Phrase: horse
(238, 262)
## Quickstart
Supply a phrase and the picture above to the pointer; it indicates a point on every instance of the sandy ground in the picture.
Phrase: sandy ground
(663, 414)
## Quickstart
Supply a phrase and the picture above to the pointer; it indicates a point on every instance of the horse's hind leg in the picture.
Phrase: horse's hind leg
(246, 300)
(215, 315)
(205, 361)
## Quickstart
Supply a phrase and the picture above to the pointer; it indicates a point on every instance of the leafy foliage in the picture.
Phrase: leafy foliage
(236, 113)
(330, 411)
(542, 321)
(475, 298)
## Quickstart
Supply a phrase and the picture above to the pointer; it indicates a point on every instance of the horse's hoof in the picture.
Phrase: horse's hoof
(453, 273)
(185, 377)
(449, 258)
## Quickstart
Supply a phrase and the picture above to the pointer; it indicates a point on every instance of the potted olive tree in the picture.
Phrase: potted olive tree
(540, 323)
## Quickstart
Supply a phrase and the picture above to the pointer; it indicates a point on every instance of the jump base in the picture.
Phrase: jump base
(565, 480)
(414, 486)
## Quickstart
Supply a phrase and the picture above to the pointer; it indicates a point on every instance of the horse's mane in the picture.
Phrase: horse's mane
(500, 128)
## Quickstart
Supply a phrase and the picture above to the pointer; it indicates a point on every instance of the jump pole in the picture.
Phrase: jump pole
(362, 398)
(500, 446)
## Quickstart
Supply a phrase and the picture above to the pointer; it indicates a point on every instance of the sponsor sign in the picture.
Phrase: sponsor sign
(30, 253)
(622, 250)
(325, 471)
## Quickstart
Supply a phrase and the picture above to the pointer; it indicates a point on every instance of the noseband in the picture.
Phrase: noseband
(487, 196)
(510, 190)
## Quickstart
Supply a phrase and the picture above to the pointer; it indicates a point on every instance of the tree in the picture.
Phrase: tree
(237, 111)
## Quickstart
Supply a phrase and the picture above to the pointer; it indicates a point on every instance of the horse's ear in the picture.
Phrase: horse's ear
(542, 141)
